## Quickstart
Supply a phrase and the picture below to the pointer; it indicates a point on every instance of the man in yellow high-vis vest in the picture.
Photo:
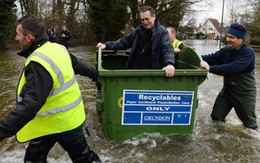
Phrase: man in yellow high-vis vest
(49, 105)
(176, 44)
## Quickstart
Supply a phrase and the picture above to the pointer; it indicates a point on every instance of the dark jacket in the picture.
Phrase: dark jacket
(65, 40)
(35, 91)
(236, 65)
(162, 51)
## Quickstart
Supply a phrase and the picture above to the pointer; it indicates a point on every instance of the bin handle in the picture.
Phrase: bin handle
(99, 58)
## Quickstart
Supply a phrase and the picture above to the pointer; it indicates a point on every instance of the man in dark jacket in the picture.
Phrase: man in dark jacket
(65, 36)
(49, 107)
(150, 45)
(236, 63)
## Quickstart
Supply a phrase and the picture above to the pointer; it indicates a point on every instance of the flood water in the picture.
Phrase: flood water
(209, 143)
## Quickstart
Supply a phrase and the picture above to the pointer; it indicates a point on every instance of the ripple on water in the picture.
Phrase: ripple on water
(210, 142)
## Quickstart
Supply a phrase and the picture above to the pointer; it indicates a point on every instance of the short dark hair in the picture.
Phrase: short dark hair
(148, 8)
(32, 25)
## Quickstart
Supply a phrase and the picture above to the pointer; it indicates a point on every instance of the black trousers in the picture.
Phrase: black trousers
(74, 142)
(243, 103)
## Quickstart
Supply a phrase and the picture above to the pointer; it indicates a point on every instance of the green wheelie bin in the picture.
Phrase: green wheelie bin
(137, 101)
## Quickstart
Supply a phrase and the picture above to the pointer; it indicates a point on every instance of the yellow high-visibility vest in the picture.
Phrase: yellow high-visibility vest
(64, 108)
(176, 43)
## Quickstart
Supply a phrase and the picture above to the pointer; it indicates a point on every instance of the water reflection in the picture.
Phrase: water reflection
(210, 142)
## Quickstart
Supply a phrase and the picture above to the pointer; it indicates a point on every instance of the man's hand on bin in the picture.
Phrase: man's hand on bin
(101, 45)
(169, 70)
(204, 65)
(177, 50)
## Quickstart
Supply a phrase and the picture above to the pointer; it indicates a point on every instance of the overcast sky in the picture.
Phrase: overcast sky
(216, 10)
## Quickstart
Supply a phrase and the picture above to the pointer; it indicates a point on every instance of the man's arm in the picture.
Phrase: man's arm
(120, 44)
(219, 63)
(168, 54)
(34, 94)
(181, 46)
(166, 49)
(68, 36)
(82, 68)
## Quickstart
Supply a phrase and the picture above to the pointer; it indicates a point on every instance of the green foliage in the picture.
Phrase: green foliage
(107, 18)
(254, 27)
(200, 35)
(251, 19)
(171, 13)
(224, 39)
(7, 17)
(255, 41)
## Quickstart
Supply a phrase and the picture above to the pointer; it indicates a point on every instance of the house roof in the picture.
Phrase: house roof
(215, 24)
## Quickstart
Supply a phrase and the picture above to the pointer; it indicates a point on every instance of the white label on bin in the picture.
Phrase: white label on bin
(153, 107)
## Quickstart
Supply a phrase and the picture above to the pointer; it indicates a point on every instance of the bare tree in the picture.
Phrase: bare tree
(169, 12)
(253, 17)
(115, 14)
(29, 6)
(234, 10)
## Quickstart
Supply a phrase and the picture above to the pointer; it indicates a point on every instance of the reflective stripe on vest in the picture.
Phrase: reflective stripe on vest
(58, 90)
(60, 109)
(60, 77)
(64, 108)
(176, 43)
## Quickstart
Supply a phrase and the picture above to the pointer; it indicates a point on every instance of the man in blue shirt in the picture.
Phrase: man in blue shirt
(236, 63)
